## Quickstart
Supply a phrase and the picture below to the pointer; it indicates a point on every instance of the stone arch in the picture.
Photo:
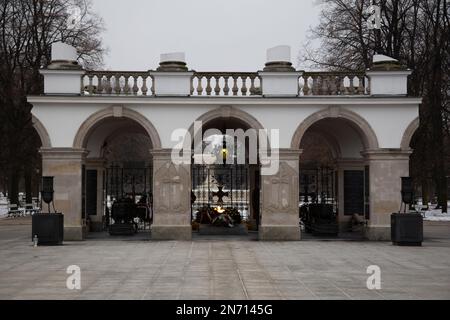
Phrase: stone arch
(115, 112)
(409, 133)
(368, 135)
(42, 132)
(229, 112)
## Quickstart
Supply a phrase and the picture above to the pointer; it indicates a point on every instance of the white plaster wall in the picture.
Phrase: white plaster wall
(62, 121)
(168, 118)
(388, 121)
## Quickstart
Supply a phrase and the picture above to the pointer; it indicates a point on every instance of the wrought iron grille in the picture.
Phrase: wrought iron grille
(129, 181)
(234, 179)
(318, 185)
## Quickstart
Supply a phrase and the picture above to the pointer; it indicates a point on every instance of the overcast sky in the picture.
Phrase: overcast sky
(216, 35)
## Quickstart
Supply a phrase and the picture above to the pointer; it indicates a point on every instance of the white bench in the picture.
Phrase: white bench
(15, 211)
(31, 208)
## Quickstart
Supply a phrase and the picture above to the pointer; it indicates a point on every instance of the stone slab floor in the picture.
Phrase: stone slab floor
(222, 269)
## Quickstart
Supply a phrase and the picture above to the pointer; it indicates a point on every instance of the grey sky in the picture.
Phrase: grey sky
(217, 35)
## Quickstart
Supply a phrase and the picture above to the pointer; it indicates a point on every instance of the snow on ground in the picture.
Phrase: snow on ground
(436, 215)
(3, 206)
(3, 210)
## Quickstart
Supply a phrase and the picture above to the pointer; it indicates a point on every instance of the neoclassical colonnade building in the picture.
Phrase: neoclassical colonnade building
(343, 138)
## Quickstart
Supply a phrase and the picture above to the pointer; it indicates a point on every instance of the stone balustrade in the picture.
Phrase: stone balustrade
(117, 83)
(225, 84)
(242, 84)
(333, 84)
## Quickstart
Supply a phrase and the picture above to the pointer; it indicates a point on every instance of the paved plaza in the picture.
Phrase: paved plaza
(230, 268)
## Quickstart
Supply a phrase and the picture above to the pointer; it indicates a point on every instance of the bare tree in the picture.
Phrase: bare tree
(28, 28)
(417, 33)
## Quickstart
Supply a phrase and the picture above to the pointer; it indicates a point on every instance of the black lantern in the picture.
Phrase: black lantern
(407, 191)
(47, 190)
(47, 228)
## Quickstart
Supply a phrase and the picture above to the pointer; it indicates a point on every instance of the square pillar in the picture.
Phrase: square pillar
(171, 198)
(65, 165)
(280, 199)
(386, 167)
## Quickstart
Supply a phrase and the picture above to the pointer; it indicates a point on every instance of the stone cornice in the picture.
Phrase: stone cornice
(283, 154)
(163, 154)
(63, 153)
(58, 100)
(387, 154)
(95, 162)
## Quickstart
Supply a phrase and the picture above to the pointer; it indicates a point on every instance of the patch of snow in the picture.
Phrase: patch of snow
(383, 58)
(3, 210)
(436, 215)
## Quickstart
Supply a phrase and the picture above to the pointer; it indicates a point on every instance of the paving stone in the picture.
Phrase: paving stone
(229, 269)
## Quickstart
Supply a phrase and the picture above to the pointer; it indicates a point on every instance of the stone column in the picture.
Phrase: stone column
(97, 164)
(280, 199)
(65, 165)
(386, 167)
(171, 198)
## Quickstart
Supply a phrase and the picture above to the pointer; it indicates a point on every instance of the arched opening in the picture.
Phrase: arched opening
(334, 185)
(225, 177)
(117, 174)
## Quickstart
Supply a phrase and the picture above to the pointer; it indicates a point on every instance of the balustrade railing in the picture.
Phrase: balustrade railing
(241, 84)
(226, 84)
(333, 84)
(117, 83)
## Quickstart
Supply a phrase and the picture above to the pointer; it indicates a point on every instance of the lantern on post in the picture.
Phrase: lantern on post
(47, 228)
(47, 191)
(407, 192)
(407, 227)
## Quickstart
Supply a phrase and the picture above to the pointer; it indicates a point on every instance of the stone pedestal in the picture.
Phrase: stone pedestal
(65, 164)
(388, 77)
(172, 78)
(387, 166)
(63, 74)
(280, 198)
(280, 84)
(171, 198)
(172, 83)
(389, 82)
